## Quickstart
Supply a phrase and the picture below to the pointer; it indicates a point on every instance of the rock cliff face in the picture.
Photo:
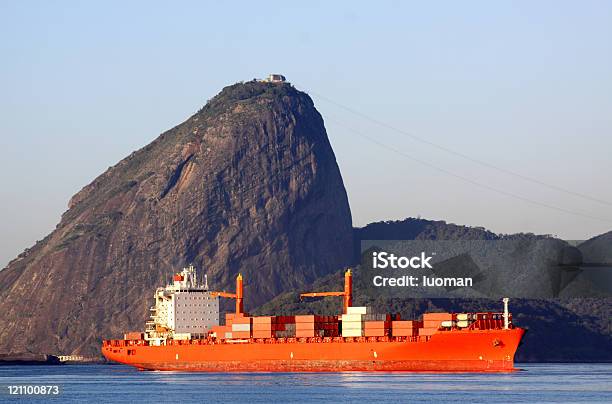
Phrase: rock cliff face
(248, 184)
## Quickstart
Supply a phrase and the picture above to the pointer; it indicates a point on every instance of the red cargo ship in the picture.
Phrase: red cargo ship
(355, 341)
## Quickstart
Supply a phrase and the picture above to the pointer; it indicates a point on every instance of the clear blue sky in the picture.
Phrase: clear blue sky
(526, 86)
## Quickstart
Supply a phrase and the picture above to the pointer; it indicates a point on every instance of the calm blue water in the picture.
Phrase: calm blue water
(104, 383)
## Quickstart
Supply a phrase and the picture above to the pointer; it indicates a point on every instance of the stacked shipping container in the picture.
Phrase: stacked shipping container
(241, 327)
(377, 325)
(376, 329)
(273, 326)
(357, 322)
(262, 327)
(405, 328)
(316, 326)
(433, 321)
(353, 321)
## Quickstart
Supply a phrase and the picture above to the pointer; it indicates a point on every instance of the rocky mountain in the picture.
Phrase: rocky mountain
(420, 229)
(248, 184)
(597, 250)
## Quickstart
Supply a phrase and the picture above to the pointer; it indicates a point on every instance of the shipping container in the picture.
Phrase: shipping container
(241, 327)
(437, 316)
(263, 320)
(352, 325)
(285, 319)
(377, 317)
(432, 323)
(308, 319)
(351, 317)
(376, 324)
(262, 326)
(134, 335)
(316, 326)
(404, 332)
(352, 333)
(241, 334)
(462, 316)
(285, 334)
(357, 310)
(268, 327)
(447, 323)
(409, 324)
(242, 320)
(376, 332)
(463, 324)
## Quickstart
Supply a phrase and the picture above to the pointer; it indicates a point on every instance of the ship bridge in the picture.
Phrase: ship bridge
(182, 308)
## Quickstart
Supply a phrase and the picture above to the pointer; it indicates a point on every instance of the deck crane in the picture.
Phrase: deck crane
(347, 293)
(238, 295)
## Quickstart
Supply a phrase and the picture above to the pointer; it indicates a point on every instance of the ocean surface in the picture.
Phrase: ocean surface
(540, 383)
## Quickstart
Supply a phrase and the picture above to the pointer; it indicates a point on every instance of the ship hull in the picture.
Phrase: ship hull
(450, 351)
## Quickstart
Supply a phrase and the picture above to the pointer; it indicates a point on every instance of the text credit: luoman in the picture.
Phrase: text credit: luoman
(385, 260)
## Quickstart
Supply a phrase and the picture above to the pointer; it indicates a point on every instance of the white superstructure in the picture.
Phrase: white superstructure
(182, 309)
